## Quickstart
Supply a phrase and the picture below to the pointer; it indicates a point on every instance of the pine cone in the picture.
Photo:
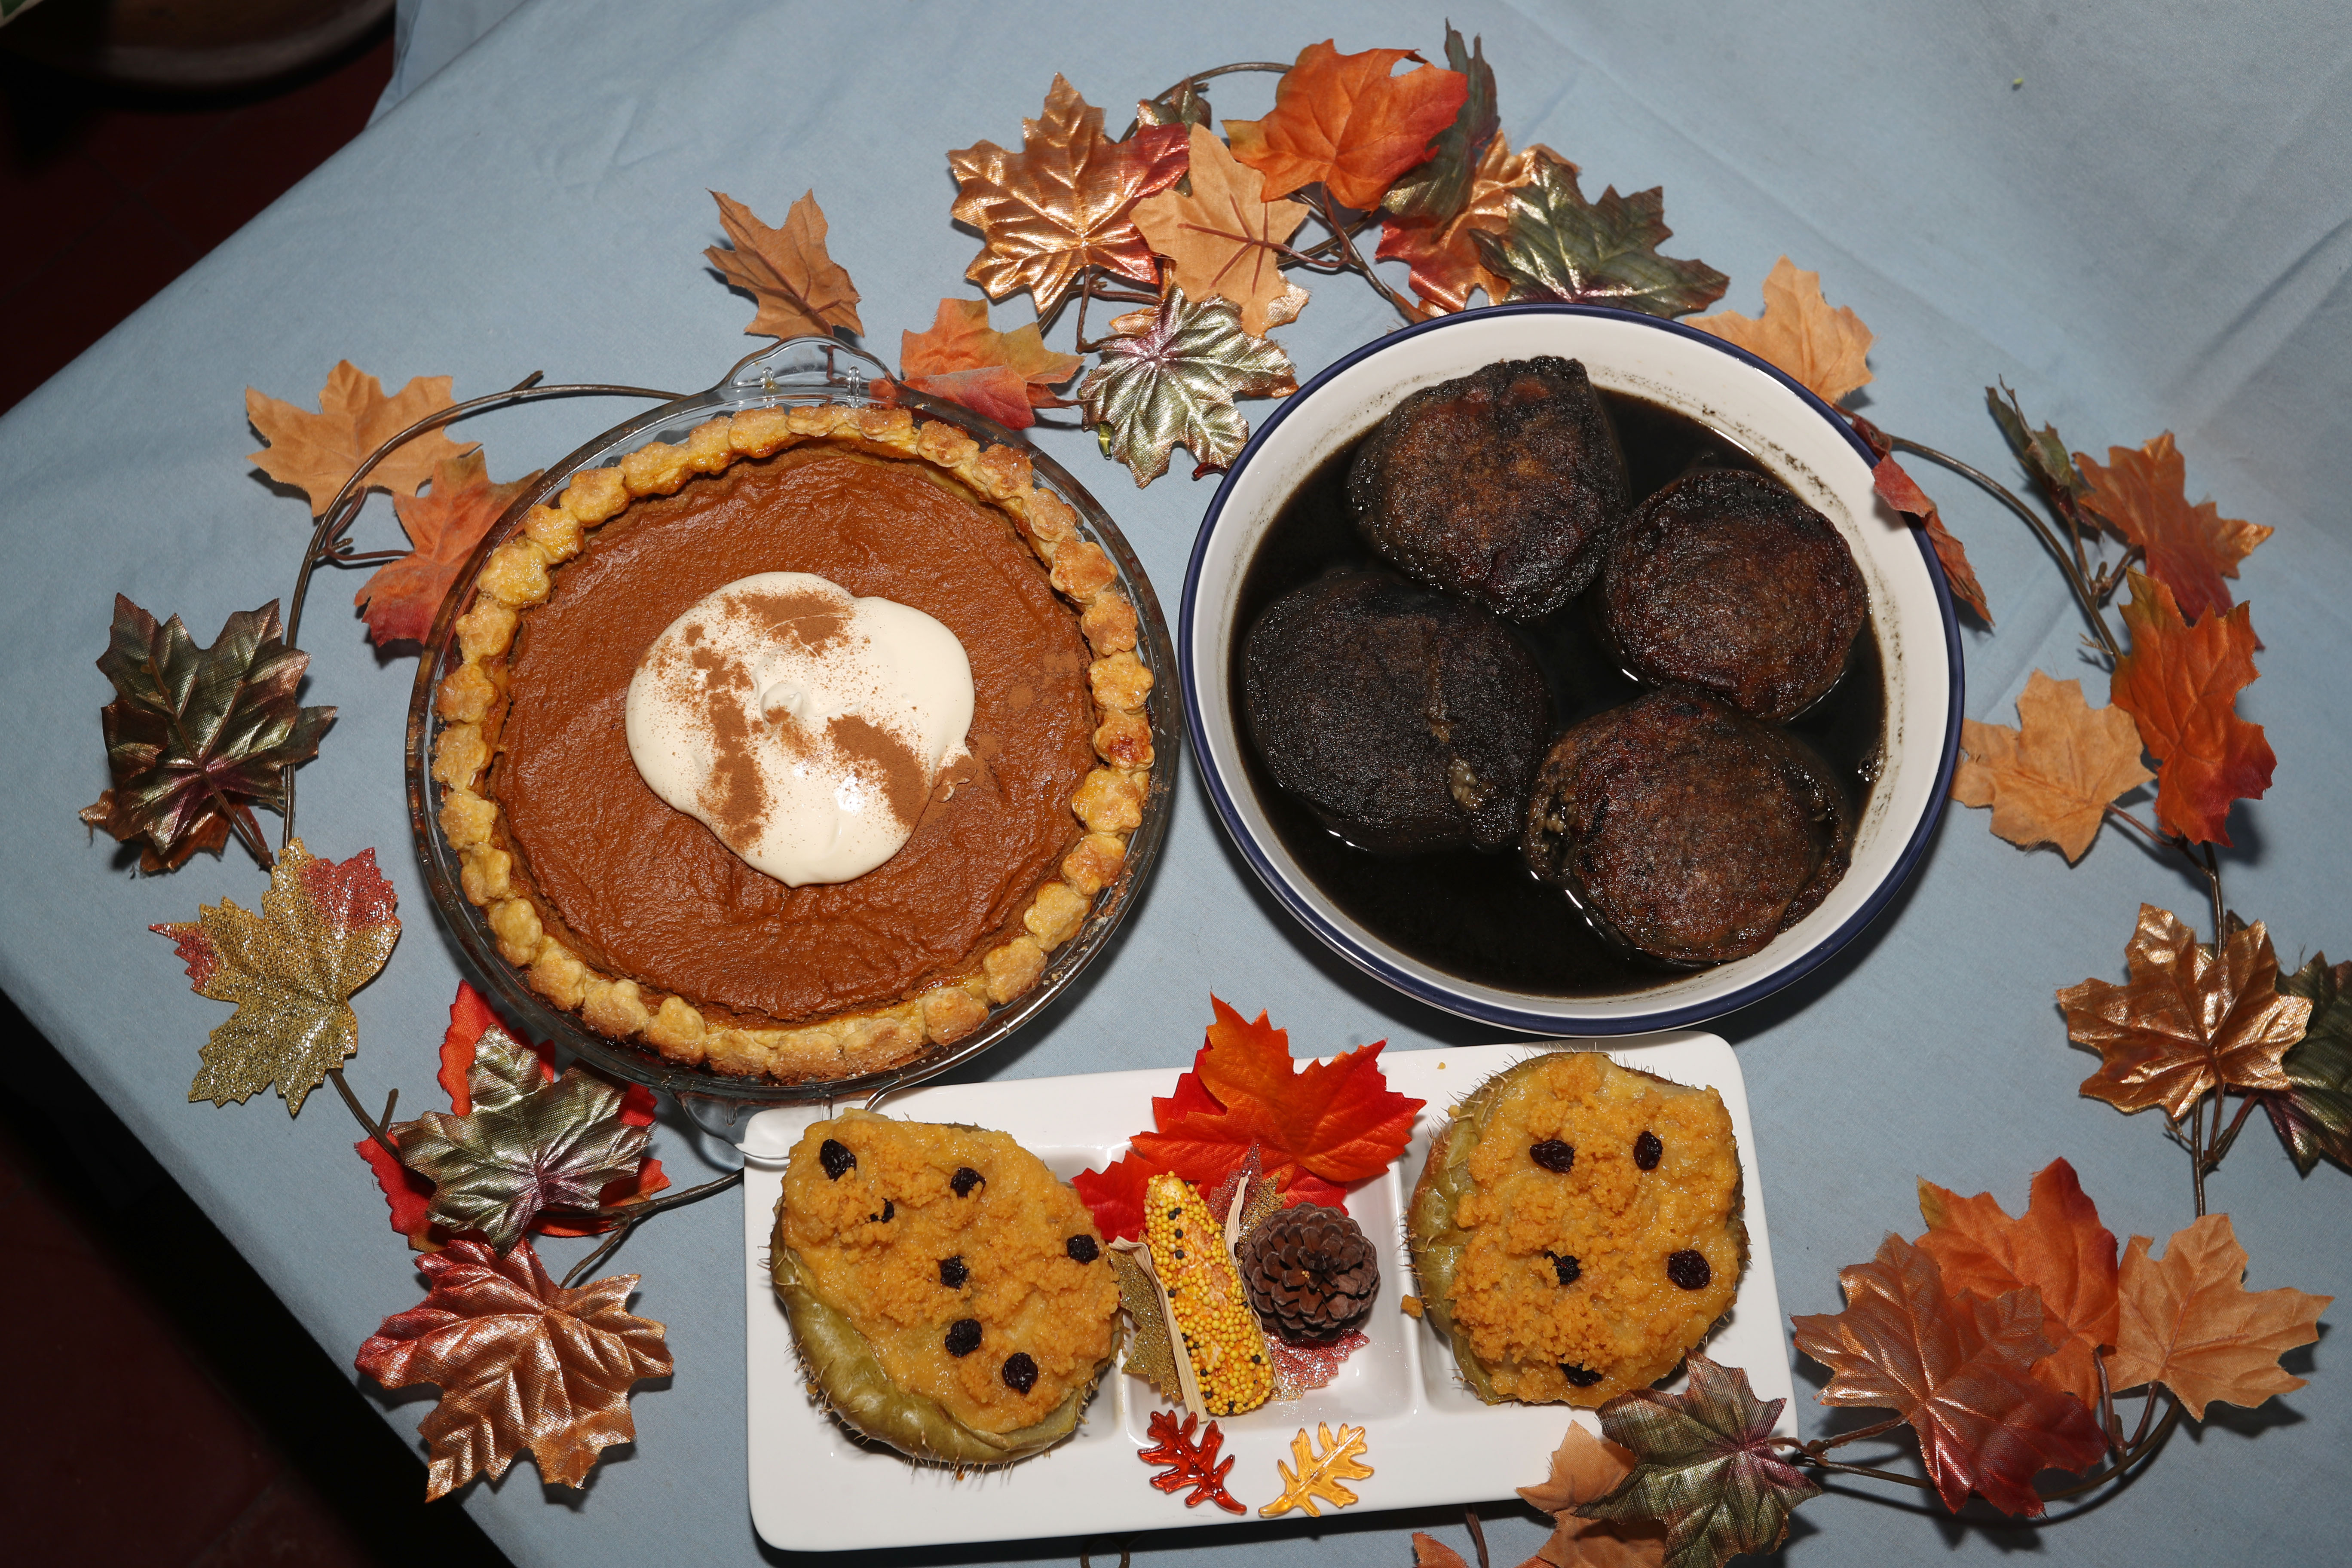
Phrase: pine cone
(1310, 1272)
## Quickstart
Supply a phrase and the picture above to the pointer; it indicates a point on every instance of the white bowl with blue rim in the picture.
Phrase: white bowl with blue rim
(1801, 439)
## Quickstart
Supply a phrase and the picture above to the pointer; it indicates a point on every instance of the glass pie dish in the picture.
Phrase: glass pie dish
(800, 378)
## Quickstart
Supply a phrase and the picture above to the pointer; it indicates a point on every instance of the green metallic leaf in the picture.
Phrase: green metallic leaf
(2041, 451)
(2313, 1118)
(1171, 375)
(1435, 191)
(196, 735)
(1705, 1467)
(528, 1144)
(1557, 245)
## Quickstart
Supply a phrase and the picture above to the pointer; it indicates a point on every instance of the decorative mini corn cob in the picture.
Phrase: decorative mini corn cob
(1221, 1333)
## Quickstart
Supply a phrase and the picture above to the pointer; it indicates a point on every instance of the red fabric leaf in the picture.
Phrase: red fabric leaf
(1115, 1193)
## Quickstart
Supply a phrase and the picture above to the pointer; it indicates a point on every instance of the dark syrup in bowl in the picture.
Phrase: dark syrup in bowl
(1484, 917)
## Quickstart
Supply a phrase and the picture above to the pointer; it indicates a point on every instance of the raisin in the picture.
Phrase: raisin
(1553, 1155)
(836, 1159)
(965, 1180)
(1578, 1376)
(1567, 1268)
(952, 1273)
(1648, 1151)
(1020, 1373)
(890, 1212)
(963, 1336)
(1082, 1249)
(1689, 1270)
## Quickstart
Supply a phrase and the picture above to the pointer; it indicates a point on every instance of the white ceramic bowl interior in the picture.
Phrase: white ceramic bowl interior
(1795, 435)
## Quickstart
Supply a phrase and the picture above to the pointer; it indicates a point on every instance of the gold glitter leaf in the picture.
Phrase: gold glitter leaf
(324, 930)
(1150, 1356)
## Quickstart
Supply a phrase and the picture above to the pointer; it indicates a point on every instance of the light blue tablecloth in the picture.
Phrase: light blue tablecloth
(2136, 214)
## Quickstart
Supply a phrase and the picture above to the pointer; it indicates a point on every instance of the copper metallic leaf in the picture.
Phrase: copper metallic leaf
(324, 930)
(2058, 1246)
(1063, 202)
(1219, 237)
(1557, 245)
(195, 737)
(2049, 780)
(1959, 1372)
(2189, 1323)
(800, 290)
(1447, 266)
(317, 453)
(1320, 1476)
(1170, 375)
(401, 598)
(1703, 1466)
(2180, 683)
(1821, 349)
(522, 1363)
(2312, 1115)
(1586, 1468)
(1435, 191)
(1187, 103)
(2187, 1022)
(2143, 495)
(529, 1144)
(1343, 121)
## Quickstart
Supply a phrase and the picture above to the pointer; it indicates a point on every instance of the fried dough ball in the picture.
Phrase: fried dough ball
(1504, 486)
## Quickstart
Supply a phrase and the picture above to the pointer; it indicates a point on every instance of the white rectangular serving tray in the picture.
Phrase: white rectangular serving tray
(814, 1488)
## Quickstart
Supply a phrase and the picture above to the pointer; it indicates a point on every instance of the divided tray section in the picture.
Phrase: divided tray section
(815, 1486)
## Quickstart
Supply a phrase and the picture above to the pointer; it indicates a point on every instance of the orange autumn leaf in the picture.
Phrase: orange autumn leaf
(1586, 1468)
(316, 452)
(960, 339)
(1897, 487)
(2187, 1022)
(1219, 237)
(2143, 495)
(2058, 1246)
(1344, 120)
(1444, 258)
(994, 391)
(1428, 1552)
(401, 598)
(1822, 348)
(2049, 780)
(1063, 202)
(800, 290)
(1957, 1371)
(2189, 1322)
(2181, 683)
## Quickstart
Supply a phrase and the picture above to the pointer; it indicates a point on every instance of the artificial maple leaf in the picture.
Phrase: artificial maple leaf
(2058, 1246)
(1433, 191)
(318, 453)
(2188, 1022)
(195, 737)
(1220, 236)
(1897, 487)
(2049, 780)
(324, 930)
(1428, 1552)
(1703, 1466)
(1338, 1121)
(1344, 120)
(2313, 1115)
(1171, 375)
(2181, 683)
(1556, 246)
(2189, 1323)
(1822, 348)
(1319, 1477)
(1586, 1468)
(401, 598)
(2143, 496)
(1189, 1464)
(1063, 202)
(521, 1361)
(1446, 263)
(802, 291)
(2043, 454)
(1115, 1195)
(1019, 368)
(1959, 1372)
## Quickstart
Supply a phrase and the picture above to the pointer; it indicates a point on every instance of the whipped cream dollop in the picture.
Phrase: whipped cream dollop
(806, 727)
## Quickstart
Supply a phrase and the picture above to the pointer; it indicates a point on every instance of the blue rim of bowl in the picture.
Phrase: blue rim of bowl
(1454, 1001)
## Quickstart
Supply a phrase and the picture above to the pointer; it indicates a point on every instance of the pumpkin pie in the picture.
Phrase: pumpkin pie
(633, 914)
